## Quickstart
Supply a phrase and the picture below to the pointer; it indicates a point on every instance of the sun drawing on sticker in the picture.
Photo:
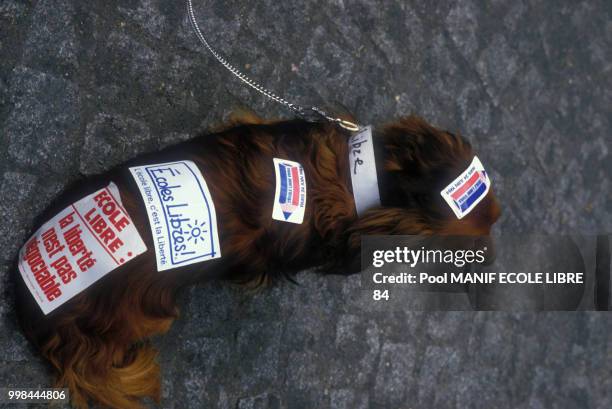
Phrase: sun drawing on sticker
(196, 231)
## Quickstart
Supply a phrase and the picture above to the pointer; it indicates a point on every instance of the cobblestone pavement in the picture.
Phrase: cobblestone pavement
(86, 85)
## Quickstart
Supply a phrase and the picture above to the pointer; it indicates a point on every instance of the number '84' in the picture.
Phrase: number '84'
(380, 295)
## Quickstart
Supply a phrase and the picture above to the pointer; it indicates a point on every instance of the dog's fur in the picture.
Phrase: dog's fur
(97, 341)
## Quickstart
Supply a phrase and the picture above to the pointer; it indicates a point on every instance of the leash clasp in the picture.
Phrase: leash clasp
(343, 123)
(353, 127)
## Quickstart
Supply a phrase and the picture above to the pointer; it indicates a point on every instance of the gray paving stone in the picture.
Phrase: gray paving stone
(148, 16)
(45, 108)
(87, 85)
(497, 65)
(395, 379)
(109, 134)
(20, 187)
(52, 19)
(348, 399)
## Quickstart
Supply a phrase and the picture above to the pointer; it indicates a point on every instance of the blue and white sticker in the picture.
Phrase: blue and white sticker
(181, 213)
(290, 194)
(468, 189)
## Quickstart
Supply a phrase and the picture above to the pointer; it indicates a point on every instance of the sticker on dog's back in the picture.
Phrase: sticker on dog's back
(181, 213)
(290, 194)
(77, 247)
(468, 189)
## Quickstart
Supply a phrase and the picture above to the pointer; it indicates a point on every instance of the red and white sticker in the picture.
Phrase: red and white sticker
(77, 247)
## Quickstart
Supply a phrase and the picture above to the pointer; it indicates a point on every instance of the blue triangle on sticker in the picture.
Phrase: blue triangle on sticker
(287, 215)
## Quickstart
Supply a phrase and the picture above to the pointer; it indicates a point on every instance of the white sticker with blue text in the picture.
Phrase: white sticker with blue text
(181, 213)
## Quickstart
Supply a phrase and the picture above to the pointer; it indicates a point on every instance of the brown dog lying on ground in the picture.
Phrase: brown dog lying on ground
(97, 341)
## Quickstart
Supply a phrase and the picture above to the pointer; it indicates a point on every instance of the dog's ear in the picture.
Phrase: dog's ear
(416, 161)
(402, 221)
(387, 221)
(376, 221)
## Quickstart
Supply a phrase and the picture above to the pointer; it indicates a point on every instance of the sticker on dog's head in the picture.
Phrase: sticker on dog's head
(468, 189)
(290, 194)
(77, 247)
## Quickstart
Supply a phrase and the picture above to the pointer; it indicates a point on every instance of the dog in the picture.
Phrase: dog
(97, 342)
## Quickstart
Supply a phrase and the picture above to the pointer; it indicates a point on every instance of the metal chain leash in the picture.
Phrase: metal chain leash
(301, 111)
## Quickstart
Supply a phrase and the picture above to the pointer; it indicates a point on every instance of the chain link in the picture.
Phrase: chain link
(301, 111)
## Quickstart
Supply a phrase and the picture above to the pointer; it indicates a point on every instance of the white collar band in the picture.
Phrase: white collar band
(363, 170)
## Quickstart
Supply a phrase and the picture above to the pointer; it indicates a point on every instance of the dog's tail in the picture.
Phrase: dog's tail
(105, 367)
(84, 366)
(97, 345)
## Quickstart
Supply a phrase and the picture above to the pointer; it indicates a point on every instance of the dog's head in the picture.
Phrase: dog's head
(416, 161)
